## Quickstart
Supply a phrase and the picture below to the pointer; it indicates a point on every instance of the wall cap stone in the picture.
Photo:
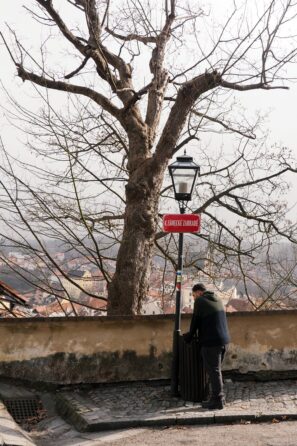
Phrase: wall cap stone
(153, 317)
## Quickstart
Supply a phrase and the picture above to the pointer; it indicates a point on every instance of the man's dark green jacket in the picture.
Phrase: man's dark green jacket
(209, 318)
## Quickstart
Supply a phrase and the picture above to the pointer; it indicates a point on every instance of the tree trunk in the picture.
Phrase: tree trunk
(130, 282)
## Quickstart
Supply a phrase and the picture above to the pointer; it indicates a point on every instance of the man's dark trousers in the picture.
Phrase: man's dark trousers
(212, 359)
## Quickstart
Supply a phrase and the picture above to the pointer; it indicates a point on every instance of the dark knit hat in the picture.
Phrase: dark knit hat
(199, 287)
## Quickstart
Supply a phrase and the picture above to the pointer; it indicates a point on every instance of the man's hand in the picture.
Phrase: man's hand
(187, 337)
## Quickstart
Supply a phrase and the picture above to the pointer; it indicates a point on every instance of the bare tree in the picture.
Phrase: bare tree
(131, 122)
(271, 282)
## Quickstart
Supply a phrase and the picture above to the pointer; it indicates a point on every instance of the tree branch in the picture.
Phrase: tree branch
(77, 70)
(101, 100)
(94, 49)
(129, 37)
(258, 86)
(242, 185)
(223, 124)
(93, 22)
(185, 100)
(160, 76)
(48, 6)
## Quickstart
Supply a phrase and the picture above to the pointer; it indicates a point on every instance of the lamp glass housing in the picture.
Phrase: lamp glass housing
(183, 174)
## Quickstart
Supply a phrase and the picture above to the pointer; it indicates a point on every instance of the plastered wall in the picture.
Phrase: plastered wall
(102, 349)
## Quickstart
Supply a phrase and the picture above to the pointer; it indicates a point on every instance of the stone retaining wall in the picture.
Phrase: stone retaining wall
(103, 349)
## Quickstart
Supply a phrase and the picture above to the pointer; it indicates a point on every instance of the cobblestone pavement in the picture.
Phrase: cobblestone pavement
(262, 396)
(146, 399)
(111, 409)
(135, 405)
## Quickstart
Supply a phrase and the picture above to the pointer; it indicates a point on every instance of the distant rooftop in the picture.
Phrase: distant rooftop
(10, 295)
(76, 273)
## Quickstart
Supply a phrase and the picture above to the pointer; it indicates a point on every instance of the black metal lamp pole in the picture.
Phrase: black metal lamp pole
(176, 333)
(183, 174)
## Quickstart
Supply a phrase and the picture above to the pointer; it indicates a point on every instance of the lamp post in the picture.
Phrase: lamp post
(183, 174)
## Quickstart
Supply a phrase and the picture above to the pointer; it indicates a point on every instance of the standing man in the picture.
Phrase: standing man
(209, 318)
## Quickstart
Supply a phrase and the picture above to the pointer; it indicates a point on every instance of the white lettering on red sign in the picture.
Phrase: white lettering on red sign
(181, 222)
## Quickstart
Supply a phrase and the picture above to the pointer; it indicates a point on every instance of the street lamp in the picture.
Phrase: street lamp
(183, 174)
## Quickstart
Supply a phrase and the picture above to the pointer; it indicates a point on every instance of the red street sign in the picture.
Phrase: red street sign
(181, 223)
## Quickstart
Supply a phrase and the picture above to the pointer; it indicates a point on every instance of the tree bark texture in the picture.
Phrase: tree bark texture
(130, 282)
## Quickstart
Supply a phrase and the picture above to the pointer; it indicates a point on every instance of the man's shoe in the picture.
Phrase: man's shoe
(212, 399)
(213, 404)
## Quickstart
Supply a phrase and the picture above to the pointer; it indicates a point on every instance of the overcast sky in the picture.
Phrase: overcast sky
(281, 103)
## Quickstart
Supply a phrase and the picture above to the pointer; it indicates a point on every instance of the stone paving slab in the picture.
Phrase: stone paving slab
(146, 404)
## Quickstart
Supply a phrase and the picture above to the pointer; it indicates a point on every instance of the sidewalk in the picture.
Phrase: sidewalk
(144, 404)
(92, 412)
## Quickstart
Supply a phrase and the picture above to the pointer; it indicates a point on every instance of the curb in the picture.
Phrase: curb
(67, 410)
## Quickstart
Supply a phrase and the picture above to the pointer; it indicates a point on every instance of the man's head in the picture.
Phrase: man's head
(198, 290)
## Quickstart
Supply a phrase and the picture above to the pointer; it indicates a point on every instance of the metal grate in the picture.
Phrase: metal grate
(25, 409)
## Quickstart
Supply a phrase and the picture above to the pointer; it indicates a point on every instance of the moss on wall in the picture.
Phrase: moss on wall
(94, 350)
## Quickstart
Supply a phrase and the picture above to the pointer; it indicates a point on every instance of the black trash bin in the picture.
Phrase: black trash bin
(192, 376)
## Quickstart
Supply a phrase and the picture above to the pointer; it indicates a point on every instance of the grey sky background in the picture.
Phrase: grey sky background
(281, 104)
